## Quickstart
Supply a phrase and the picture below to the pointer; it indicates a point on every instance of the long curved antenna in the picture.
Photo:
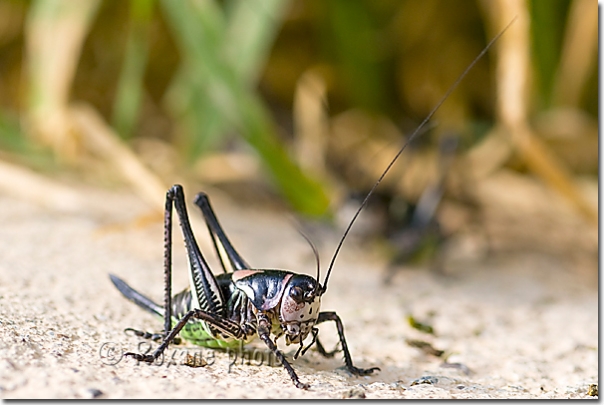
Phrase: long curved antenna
(315, 252)
(413, 135)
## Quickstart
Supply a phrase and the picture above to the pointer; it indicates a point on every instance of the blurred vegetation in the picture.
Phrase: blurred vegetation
(317, 94)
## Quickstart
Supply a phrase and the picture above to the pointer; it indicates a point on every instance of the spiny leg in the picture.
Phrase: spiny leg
(211, 298)
(204, 287)
(156, 337)
(264, 328)
(168, 263)
(169, 338)
(222, 244)
(332, 316)
(142, 301)
(302, 349)
(226, 326)
(325, 353)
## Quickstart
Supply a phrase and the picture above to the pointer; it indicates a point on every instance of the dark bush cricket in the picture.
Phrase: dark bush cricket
(225, 310)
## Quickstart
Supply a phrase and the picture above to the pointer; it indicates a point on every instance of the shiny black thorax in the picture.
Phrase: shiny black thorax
(258, 290)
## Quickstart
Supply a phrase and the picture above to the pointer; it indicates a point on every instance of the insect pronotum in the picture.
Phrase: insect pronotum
(225, 310)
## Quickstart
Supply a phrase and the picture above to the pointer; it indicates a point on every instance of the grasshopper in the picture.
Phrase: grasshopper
(235, 307)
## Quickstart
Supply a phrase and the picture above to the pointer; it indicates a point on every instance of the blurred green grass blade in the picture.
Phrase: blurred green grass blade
(547, 29)
(198, 121)
(13, 140)
(248, 33)
(201, 123)
(195, 34)
(306, 194)
(52, 58)
(245, 43)
(356, 46)
(11, 137)
(130, 85)
(252, 28)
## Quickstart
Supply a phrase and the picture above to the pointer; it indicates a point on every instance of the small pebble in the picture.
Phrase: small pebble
(425, 380)
(194, 361)
(354, 393)
(94, 393)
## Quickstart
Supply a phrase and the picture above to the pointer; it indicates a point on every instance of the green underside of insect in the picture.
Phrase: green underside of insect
(194, 331)
(198, 334)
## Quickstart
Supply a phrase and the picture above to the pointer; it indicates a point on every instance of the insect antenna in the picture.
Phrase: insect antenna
(402, 149)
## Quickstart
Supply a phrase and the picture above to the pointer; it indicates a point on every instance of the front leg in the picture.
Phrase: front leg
(325, 353)
(332, 316)
(264, 327)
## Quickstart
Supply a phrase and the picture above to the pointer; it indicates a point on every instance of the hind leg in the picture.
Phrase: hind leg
(225, 326)
(156, 337)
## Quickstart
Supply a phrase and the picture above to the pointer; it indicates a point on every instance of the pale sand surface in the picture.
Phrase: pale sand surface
(521, 326)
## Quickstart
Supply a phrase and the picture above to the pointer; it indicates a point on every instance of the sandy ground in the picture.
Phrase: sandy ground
(515, 327)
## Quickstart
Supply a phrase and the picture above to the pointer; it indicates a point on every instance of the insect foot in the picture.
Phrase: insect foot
(363, 371)
(301, 385)
(141, 357)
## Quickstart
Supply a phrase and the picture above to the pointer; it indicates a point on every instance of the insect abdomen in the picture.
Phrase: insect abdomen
(196, 332)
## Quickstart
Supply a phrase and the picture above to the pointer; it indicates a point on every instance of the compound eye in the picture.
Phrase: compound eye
(296, 293)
